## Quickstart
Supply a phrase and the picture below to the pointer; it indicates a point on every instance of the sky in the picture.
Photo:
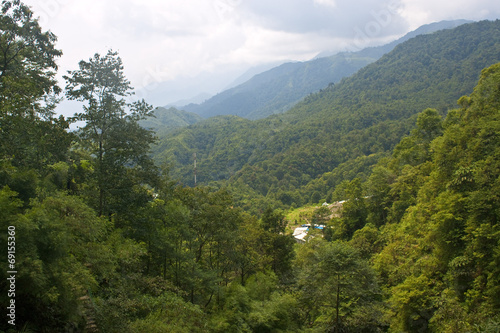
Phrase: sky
(173, 50)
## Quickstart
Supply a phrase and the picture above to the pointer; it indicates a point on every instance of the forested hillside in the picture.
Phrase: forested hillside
(278, 89)
(435, 205)
(343, 129)
(165, 120)
(97, 238)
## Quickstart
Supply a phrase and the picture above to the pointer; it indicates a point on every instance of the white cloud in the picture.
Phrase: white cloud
(328, 3)
(163, 40)
(419, 12)
(264, 45)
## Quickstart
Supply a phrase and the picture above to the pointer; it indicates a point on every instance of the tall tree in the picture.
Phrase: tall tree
(354, 212)
(276, 246)
(29, 136)
(27, 61)
(111, 132)
(338, 289)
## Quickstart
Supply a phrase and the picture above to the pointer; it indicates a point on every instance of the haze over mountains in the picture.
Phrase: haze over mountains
(347, 126)
(278, 89)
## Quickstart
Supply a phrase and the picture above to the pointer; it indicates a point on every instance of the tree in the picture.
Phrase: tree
(273, 221)
(111, 130)
(414, 149)
(440, 261)
(277, 246)
(27, 61)
(354, 212)
(29, 136)
(59, 246)
(378, 201)
(338, 288)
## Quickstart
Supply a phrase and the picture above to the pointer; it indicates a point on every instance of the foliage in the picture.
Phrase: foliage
(29, 135)
(27, 62)
(336, 286)
(102, 238)
(441, 249)
(284, 159)
(164, 120)
(110, 133)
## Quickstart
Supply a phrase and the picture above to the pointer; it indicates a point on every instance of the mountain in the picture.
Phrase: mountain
(166, 120)
(200, 98)
(338, 133)
(278, 89)
(379, 51)
(250, 73)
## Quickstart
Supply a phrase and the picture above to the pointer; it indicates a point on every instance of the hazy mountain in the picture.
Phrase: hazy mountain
(278, 89)
(250, 73)
(344, 128)
(198, 99)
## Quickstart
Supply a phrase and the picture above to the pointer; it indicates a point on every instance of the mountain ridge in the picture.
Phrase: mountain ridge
(278, 89)
(283, 157)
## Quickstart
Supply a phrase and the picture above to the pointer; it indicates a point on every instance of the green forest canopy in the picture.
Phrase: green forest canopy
(285, 159)
(415, 248)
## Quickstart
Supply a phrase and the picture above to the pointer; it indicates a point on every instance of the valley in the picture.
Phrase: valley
(356, 192)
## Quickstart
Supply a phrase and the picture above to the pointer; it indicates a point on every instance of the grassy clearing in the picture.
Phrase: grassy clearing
(299, 216)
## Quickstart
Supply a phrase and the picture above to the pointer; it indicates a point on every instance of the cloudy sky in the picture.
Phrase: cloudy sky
(175, 49)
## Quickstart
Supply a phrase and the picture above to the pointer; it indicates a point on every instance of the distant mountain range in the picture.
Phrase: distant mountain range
(339, 132)
(278, 89)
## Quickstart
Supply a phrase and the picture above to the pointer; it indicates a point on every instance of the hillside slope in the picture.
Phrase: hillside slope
(166, 120)
(278, 89)
(346, 127)
(435, 202)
